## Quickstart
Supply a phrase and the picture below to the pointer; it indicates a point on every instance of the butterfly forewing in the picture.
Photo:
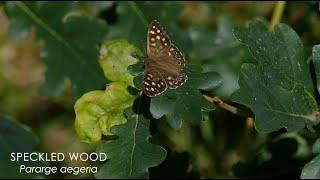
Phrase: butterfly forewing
(164, 63)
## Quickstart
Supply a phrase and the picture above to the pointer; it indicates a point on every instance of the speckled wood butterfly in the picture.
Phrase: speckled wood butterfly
(164, 63)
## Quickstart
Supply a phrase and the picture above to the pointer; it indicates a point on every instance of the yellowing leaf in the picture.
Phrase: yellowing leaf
(97, 111)
(115, 57)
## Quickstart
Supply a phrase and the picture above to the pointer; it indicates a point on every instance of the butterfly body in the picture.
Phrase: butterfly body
(164, 63)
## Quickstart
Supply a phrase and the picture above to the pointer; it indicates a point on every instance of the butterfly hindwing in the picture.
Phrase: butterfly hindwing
(153, 83)
(174, 82)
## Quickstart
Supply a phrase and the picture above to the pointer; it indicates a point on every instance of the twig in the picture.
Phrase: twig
(277, 14)
(220, 103)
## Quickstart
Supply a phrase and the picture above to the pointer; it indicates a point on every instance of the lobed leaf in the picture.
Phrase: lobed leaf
(131, 154)
(279, 87)
(186, 102)
(97, 111)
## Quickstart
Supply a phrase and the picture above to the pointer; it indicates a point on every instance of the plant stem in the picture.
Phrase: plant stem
(220, 103)
(277, 14)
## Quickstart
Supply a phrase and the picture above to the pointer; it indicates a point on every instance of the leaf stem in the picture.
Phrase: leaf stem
(277, 14)
(220, 103)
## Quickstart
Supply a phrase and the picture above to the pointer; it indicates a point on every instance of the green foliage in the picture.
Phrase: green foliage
(115, 57)
(97, 111)
(185, 103)
(280, 85)
(269, 76)
(134, 18)
(220, 52)
(131, 154)
(311, 169)
(69, 52)
(15, 137)
(316, 63)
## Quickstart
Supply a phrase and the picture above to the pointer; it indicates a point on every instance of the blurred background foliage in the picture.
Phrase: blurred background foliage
(225, 145)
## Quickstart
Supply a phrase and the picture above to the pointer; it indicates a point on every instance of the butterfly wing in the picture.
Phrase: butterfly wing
(157, 40)
(172, 66)
(153, 83)
(164, 63)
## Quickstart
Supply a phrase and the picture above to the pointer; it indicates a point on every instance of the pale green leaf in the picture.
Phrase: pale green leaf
(115, 57)
(97, 111)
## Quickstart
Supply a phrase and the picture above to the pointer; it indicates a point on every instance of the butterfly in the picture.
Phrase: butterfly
(164, 63)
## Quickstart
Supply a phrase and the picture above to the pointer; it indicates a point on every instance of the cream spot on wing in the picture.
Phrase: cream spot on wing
(153, 83)
(153, 44)
(170, 83)
(165, 44)
(146, 83)
(152, 32)
(158, 85)
(148, 78)
(147, 89)
(153, 27)
(169, 53)
(158, 37)
(158, 31)
(169, 78)
(163, 39)
(171, 49)
(152, 39)
(162, 83)
(152, 89)
(150, 75)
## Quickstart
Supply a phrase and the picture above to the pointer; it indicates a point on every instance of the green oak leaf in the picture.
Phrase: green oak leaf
(134, 18)
(311, 170)
(279, 87)
(316, 63)
(316, 146)
(186, 102)
(97, 111)
(131, 154)
(15, 137)
(71, 44)
(115, 57)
